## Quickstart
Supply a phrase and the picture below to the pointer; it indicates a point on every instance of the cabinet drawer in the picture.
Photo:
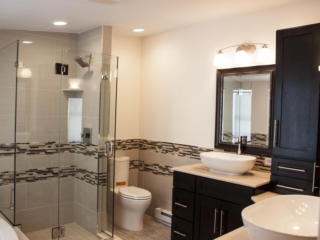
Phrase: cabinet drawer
(284, 185)
(301, 170)
(184, 181)
(183, 204)
(181, 229)
(225, 191)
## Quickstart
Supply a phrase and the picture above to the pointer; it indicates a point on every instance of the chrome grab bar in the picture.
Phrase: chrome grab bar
(290, 188)
(181, 205)
(292, 169)
(108, 153)
(181, 234)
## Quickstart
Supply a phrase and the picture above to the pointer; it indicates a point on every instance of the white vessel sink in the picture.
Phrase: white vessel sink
(227, 163)
(287, 217)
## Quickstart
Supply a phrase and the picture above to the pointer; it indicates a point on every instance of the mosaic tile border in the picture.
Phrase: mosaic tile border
(180, 150)
(50, 173)
(154, 168)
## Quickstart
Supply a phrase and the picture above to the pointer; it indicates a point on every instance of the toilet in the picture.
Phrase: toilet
(130, 203)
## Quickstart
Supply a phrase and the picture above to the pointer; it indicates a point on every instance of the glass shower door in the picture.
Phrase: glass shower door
(87, 130)
(8, 100)
(108, 104)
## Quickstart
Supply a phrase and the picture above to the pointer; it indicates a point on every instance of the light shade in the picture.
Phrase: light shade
(220, 60)
(264, 55)
(241, 58)
(26, 73)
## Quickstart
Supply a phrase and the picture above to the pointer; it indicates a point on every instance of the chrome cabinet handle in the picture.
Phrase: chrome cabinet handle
(275, 133)
(313, 178)
(181, 205)
(215, 220)
(291, 188)
(292, 169)
(221, 222)
(181, 234)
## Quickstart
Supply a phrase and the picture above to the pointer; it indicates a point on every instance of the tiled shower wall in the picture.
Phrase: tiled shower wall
(38, 96)
(38, 191)
(151, 163)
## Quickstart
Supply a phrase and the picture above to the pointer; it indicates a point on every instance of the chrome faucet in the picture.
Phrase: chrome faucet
(240, 143)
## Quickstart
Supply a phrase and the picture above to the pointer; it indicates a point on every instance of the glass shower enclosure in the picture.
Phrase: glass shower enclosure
(57, 123)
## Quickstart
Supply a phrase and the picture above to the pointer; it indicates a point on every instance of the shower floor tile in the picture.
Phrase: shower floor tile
(73, 232)
(152, 230)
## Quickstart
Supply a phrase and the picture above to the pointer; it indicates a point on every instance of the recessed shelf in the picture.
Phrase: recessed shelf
(72, 90)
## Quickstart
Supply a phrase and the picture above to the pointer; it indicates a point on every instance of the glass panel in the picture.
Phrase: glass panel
(108, 101)
(87, 107)
(8, 87)
(38, 109)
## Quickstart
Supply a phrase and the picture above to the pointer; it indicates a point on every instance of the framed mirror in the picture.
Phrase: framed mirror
(244, 108)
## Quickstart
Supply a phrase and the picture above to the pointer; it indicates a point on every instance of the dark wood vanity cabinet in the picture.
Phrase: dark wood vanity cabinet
(205, 209)
(296, 111)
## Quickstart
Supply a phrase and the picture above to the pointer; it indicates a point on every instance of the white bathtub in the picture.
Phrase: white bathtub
(6, 231)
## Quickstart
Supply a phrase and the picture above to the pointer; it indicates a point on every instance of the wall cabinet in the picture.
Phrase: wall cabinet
(205, 209)
(296, 111)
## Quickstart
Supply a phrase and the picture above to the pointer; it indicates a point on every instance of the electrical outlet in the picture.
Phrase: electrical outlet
(267, 161)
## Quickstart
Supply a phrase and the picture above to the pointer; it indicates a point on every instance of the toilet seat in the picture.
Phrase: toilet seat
(134, 193)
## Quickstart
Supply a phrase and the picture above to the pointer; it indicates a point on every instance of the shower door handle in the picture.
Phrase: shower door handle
(108, 149)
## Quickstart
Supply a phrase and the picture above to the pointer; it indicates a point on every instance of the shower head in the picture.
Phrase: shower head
(82, 61)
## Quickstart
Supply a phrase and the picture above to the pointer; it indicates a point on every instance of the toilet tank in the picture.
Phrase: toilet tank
(122, 165)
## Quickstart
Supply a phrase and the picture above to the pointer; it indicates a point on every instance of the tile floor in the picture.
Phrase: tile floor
(152, 231)
(73, 232)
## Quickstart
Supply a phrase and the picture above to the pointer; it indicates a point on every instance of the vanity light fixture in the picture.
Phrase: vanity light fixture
(243, 52)
(264, 54)
(138, 30)
(59, 23)
(220, 60)
(27, 42)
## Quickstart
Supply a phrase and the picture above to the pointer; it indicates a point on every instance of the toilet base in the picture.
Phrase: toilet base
(128, 213)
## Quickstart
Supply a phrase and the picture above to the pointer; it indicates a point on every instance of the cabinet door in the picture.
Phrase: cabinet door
(296, 103)
(183, 204)
(230, 217)
(207, 218)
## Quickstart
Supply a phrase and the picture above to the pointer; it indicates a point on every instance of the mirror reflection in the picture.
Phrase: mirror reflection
(246, 108)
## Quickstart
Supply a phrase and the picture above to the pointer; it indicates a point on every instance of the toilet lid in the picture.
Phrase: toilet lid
(134, 193)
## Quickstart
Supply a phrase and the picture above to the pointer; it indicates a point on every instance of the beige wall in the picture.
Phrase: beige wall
(128, 49)
(179, 81)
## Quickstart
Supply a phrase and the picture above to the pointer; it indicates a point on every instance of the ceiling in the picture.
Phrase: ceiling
(153, 15)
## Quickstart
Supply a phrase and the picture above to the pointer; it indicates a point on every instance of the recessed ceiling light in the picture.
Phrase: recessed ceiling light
(108, 1)
(59, 23)
(138, 30)
(27, 42)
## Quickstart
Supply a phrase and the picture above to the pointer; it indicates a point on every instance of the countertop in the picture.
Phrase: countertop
(263, 196)
(252, 178)
(238, 234)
